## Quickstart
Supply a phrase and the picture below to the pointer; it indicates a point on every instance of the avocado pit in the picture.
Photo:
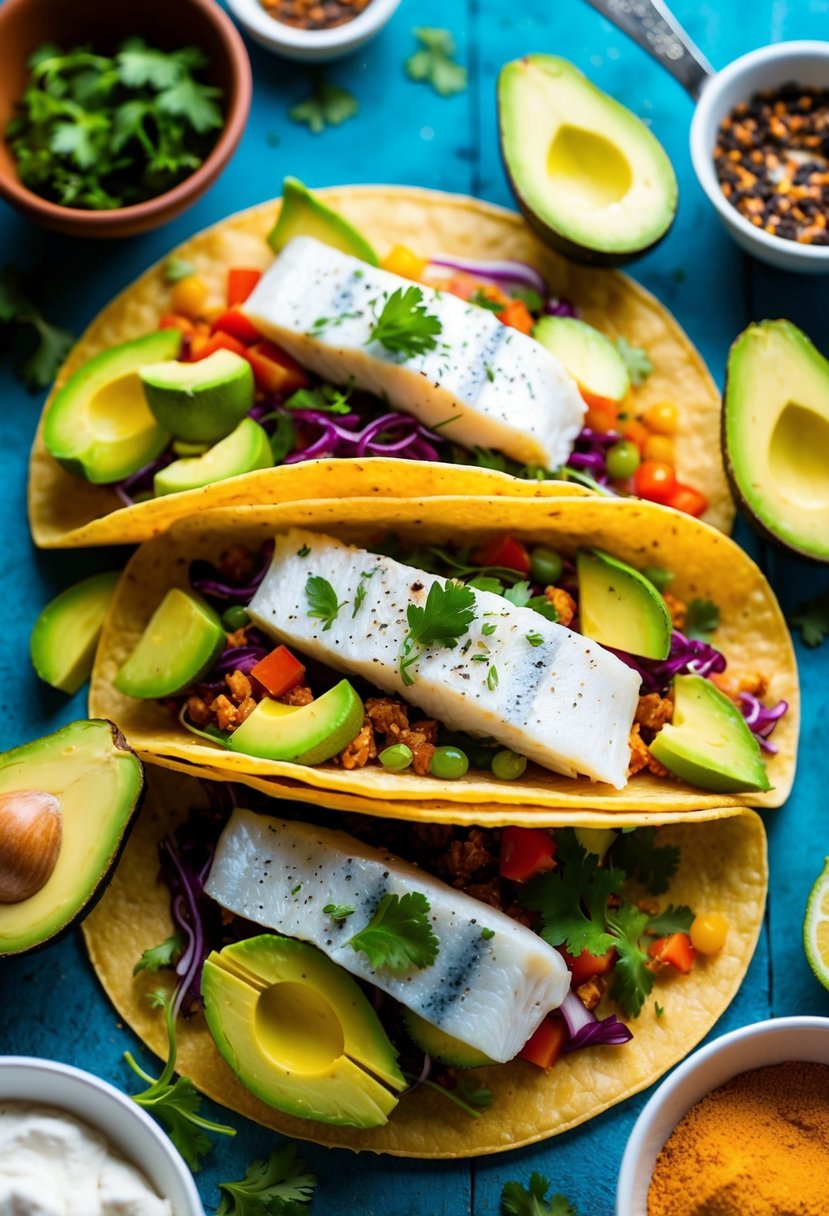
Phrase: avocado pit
(298, 1027)
(31, 833)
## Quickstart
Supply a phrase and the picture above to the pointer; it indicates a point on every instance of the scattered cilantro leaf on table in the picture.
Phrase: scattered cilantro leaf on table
(670, 920)
(164, 955)
(399, 935)
(812, 619)
(434, 64)
(280, 1186)
(328, 105)
(446, 616)
(176, 1103)
(322, 600)
(701, 620)
(518, 1200)
(641, 858)
(404, 325)
(636, 361)
(53, 344)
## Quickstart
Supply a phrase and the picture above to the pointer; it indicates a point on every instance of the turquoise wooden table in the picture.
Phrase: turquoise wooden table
(50, 1004)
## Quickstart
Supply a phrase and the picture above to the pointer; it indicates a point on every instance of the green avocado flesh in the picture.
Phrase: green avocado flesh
(243, 450)
(65, 636)
(708, 743)
(99, 426)
(200, 402)
(621, 608)
(307, 734)
(587, 173)
(182, 641)
(590, 358)
(442, 1046)
(299, 1033)
(98, 783)
(303, 214)
(776, 435)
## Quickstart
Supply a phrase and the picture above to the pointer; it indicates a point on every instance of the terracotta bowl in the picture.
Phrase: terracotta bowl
(25, 24)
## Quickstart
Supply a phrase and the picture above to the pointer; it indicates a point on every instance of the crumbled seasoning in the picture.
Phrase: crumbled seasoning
(314, 14)
(772, 162)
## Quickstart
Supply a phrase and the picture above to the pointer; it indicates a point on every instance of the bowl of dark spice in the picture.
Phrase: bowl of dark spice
(115, 118)
(740, 1129)
(760, 147)
(312, 30)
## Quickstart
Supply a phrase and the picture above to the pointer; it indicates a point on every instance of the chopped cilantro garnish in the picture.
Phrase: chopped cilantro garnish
(517, 1200)
(572, 899)
(632, 979)
(399, 935)
(812, 619)
(326, 399)
(636, 361)
(329, 105)
(653, 865)
(404, 326)
(163, 955)
(434, 64)
(670, 920)
(528, 296)
(492, 678)
(475, 1093)
(446, 616)
(535, 639)
(361, 591)
(295, 890)
(486, 934)
(280, 1186)
(701, 620)
(176, 269)
(658, 1009)
(339, 911)
(519, 594)
(482, 300)
(322, 323)
(488, 629)
(304, 551)
(322, 600)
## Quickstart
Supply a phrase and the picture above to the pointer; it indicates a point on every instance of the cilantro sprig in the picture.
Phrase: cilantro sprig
(446, 616)
(322, 600)
(280, 1186)
(701, 620)
(164, 955)
(399, 935)
(635, 359)
(52, 345)
(434, 62)
(518, 1200)
(404, 325)
(329, 105)
(812, 619)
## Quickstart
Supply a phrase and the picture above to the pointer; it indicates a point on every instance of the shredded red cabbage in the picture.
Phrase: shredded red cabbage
(556, 307)
(141, 481)
(762, 719)
(208, 581)
(393, 434)
(506, 270)
(585, 1030)
(688, 656)
(239, 658)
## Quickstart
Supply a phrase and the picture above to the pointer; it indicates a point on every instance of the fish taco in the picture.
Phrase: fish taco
(576, 657)
(397, 332)
(425, 991)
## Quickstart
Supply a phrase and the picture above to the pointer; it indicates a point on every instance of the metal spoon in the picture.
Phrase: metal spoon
(652, 25)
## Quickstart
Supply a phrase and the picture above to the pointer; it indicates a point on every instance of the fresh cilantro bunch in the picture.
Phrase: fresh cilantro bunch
(52, 346)
(280, 1186)
(99, 131)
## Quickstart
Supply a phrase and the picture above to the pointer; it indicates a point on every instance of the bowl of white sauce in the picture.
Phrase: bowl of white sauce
(72, 1145)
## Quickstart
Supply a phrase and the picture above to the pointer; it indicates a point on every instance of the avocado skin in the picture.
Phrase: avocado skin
(119, 743)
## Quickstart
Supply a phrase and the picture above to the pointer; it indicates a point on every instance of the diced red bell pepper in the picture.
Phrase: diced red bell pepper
(279, 672)
(174, 320)
(687, 499)
(525, 852)
(675, 951)
(240, 283)
(544, 1047)
(274, 370)
(236, 323)
(503, 551)
(517, 316)
(585, 966)
(201, 347)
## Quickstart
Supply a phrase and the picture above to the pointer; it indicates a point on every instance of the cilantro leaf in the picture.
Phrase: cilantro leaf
(362, 589)
(339, 911)
(446, 616)
(517, 1200)
(140, 65)
(653, 865)
(534, 638)
(163, 955)
(399, 935)
(434, 64)
(193, 101)
(572, 899)
(812, 619)
(326, 398)
(280, 1186)
(404, 326)
(176, 269)
(636, 361)
(176, 1103)
(486, 582)
(632, 980)
(53, 344)
(475, 1093)
(518, 594)
(328, 106)
(701, 620)
(671, 920)
(322, 600)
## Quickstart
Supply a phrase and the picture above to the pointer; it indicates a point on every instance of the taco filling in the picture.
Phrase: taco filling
(484, 658)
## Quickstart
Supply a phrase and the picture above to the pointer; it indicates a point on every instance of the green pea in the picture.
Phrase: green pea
(622, 460)
(659, 576)
(234, 618)
(396, 758)
(545, 565)
(449, 763)
(508, 766)
(478, 751)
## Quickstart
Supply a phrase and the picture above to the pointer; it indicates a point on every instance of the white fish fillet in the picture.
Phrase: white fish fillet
(565, 702)
(503, 389)
(489, 992)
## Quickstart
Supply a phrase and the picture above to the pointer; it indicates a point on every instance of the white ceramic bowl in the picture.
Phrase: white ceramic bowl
(312, 45)
(766, 68)
(127, 1127)
(773, 1042)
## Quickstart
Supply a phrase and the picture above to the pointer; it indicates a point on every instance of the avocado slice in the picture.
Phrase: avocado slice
(98, 782)
(199, 402)
(98, 425)
(588, 175)
(182, 640)
(595, 840)
(299, 1033)
(591, 359)
(708, 743)
(307, 734)
(246, 448)
(621, 608)
(442, 1046)
(303, 214)
(65, 636)
(775, 434)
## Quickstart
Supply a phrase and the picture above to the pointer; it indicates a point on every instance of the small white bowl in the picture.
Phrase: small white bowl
(128, 1128)
(772, 1042)
(767, 68)
(312, 45)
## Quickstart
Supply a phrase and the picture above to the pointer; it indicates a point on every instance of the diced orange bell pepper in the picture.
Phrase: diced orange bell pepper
(236, 323)
(585, 966)
(544, 1046)
(503, 551)
(674, 951)
(173, 320)
(525, 852)
(240, 283)
(402, 261)
(202, 346)
(517, 316)
(687, 499)
(274, 370)
(279, 672)
(602, 413)
(635, 431)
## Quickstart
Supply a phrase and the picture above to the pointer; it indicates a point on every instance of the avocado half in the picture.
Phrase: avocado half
(775, 435)
(98, 782)
(587, 174)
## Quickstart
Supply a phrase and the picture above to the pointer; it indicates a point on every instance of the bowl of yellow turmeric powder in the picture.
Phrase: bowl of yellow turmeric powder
(740, 1129)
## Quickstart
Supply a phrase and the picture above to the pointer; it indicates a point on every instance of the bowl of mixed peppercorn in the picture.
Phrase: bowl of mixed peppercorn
(115, 118)
(760, 147)
(313, 30)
